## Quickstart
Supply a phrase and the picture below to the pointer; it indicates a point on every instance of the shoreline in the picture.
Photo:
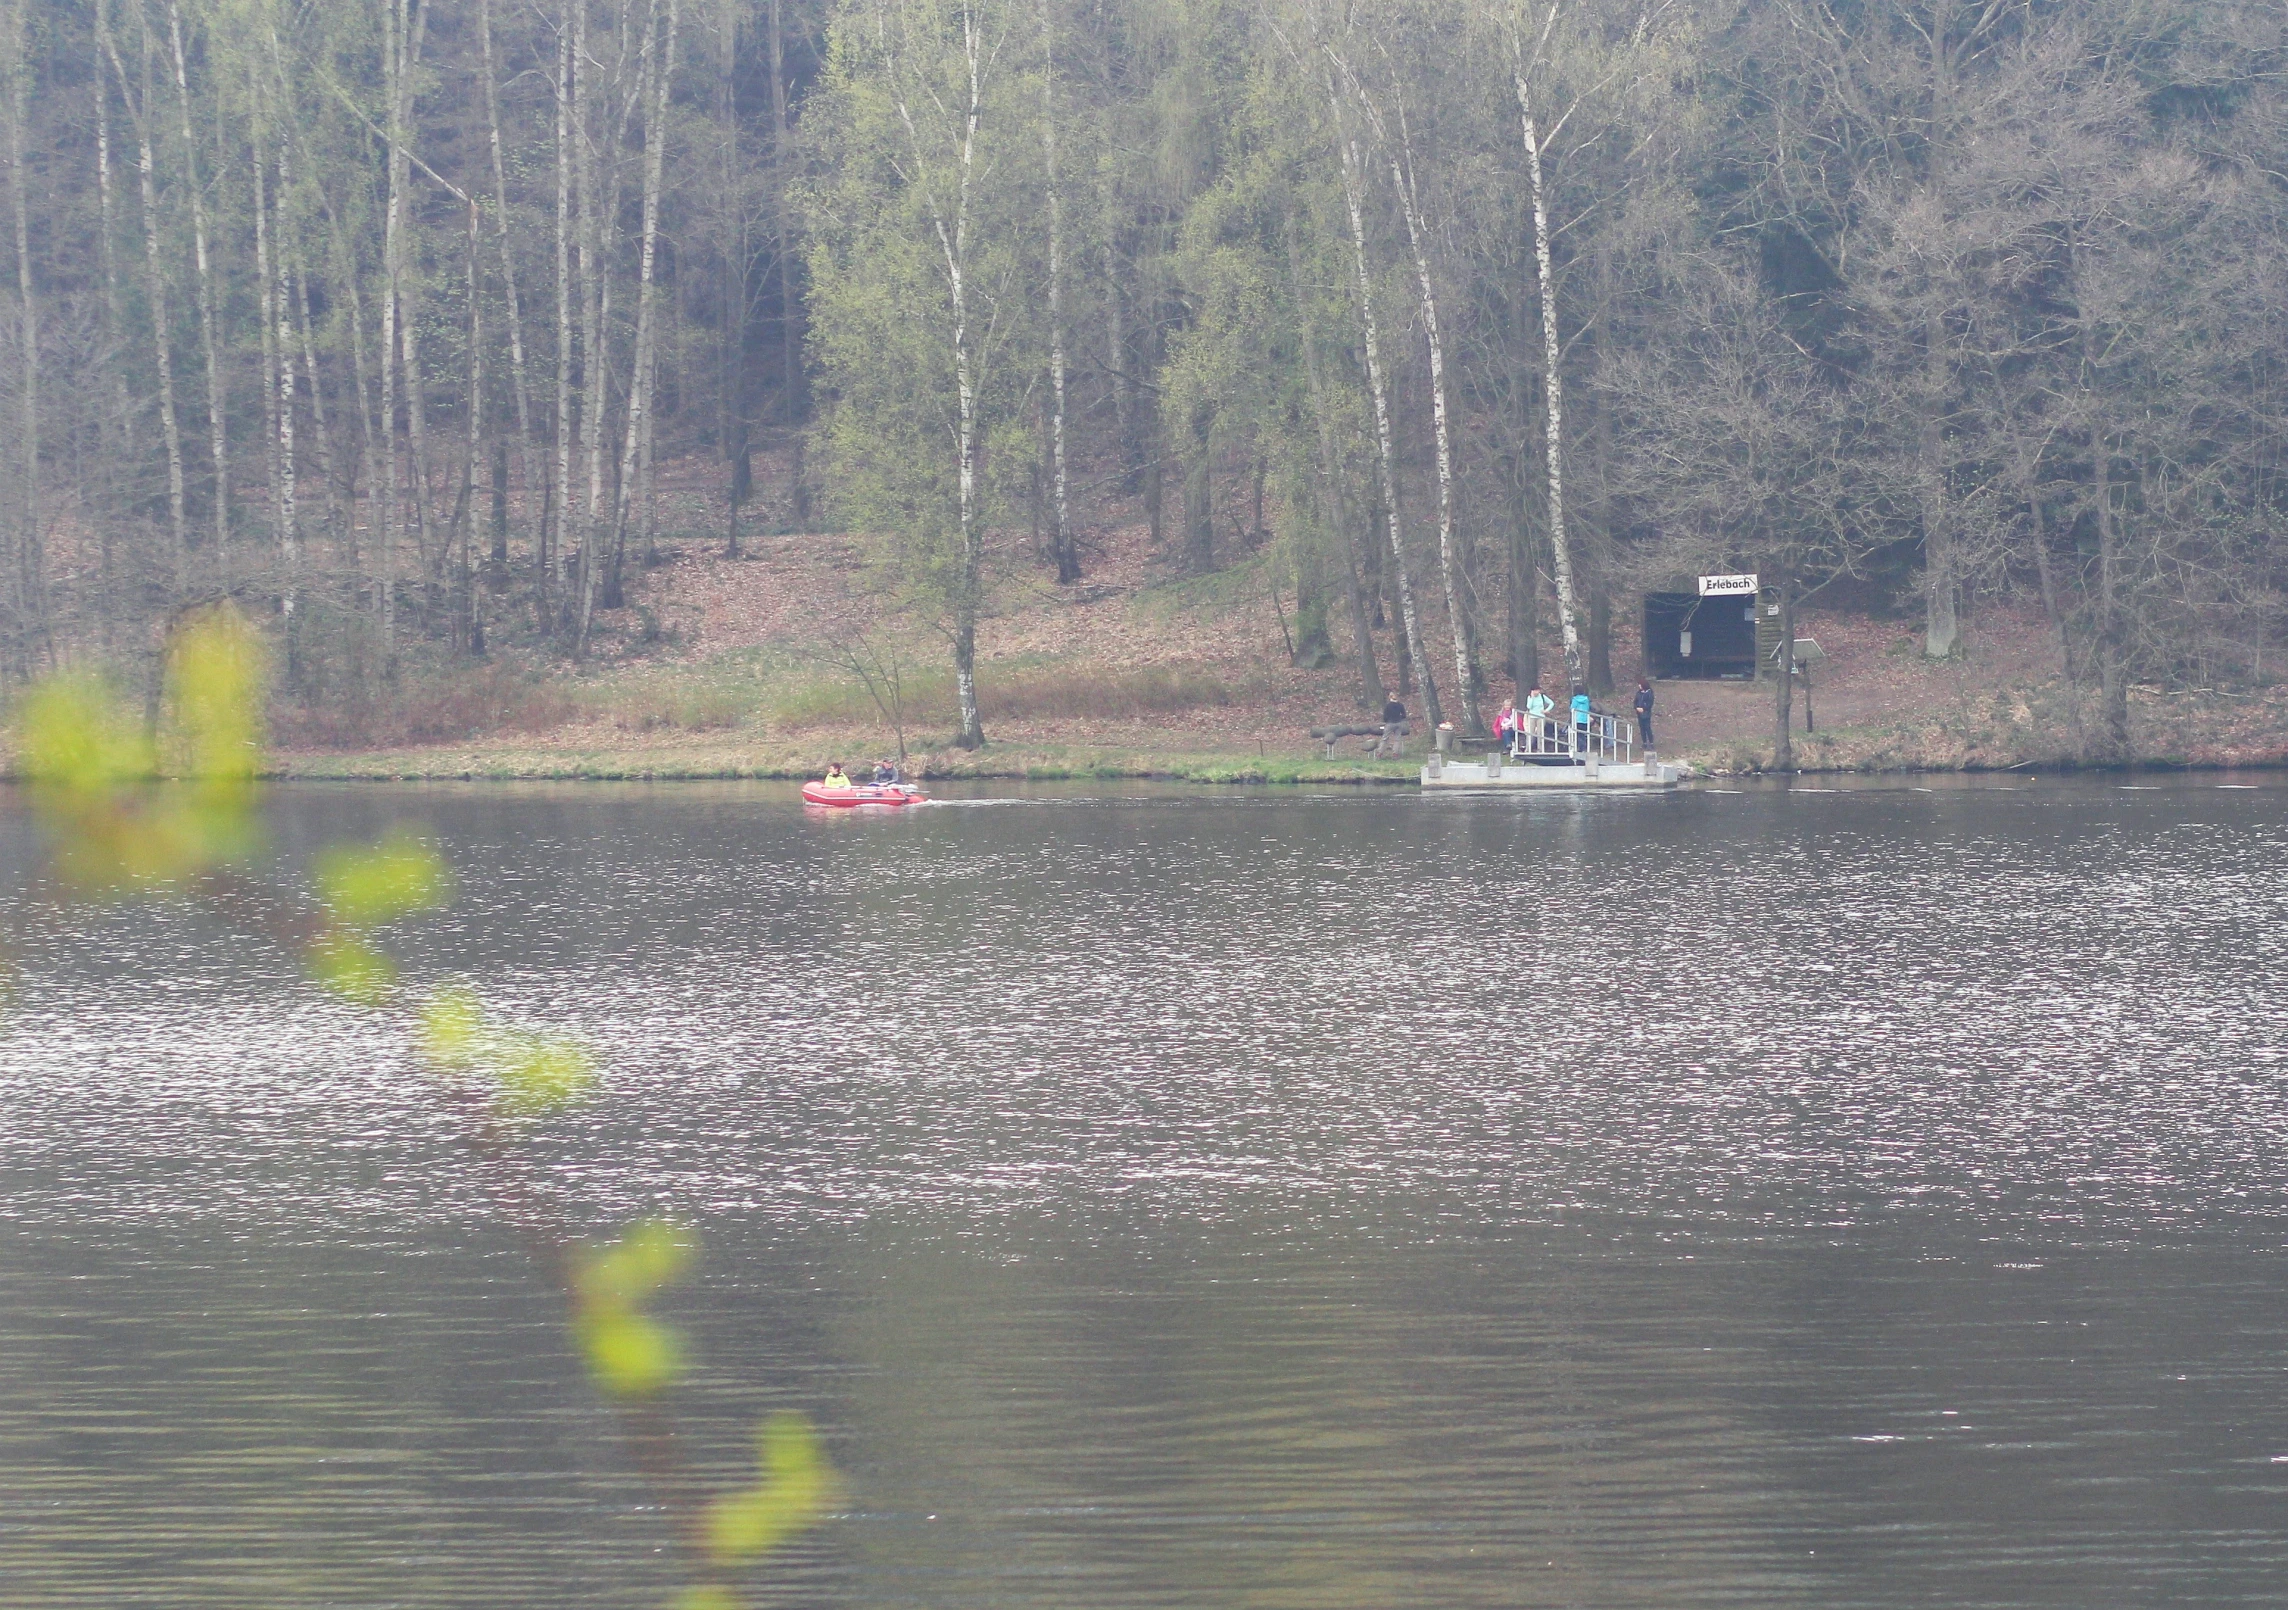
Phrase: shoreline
(1018, 764)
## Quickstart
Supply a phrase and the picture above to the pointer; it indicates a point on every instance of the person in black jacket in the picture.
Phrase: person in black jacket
(1394, 727)
(1644, 713)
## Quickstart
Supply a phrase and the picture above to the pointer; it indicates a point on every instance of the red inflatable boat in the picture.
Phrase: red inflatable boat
(862, 794)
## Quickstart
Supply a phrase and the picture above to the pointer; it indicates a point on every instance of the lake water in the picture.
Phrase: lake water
(1782, 1198)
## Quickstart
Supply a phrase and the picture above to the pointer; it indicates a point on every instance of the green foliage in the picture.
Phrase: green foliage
(351, 967)
(89, 762)
(797, 1484)
(74, 738)
(90, 766)
(533, 1074)
(539, 1073)
(707, 1596)
(630, 1354)
(364, 888)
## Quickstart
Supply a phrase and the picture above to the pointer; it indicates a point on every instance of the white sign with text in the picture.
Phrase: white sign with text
(1727, 586)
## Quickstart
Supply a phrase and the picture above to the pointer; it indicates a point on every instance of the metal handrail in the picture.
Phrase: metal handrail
(1611, 739)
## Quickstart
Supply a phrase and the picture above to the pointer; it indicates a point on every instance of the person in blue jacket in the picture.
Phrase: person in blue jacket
(1580, 722)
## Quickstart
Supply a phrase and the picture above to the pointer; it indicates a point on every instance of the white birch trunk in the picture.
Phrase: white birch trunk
(385, 539)
(1068, 565)
(31, 576)
(528, 457)
(952, 229)
(594, 382)
(1386, 451)
(155, 288)
(218, 420)
(465, 508)
(408, 327)
(558, 523)
(278, 373)
(115, 325)
(1553, 387)
(1465, 654)
(647, 337)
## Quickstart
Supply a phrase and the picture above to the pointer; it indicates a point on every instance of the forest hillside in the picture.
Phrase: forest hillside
(735, 380)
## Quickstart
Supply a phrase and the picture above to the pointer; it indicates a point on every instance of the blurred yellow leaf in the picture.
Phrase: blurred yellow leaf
(630, 1353)
(85, 752)
(709, 1597)
(73, 735)
(798, 1483)
(647, 1257)
(451, 1023)
(350, 967)
(539, 1073)
(215, 678)
(367, 887)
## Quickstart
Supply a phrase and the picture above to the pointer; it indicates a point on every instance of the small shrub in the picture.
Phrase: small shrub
(679, 709)
(475, 704)
(1050, 693)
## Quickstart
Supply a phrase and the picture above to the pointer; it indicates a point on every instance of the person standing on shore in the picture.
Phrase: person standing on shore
(1581, 712)
(1394, 727)
(1538, 707)
(1644, 714)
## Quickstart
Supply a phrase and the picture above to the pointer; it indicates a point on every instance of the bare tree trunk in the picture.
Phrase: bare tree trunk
(385, 543)
(595, 371)
(534, 496)
(1942, 627)
(951, 226)
(114, 320)
(218, 419)
(465, 510)
(32, 643)
(2112, 671)
(155, 289)
(1334, 513)
(791, 381)
(1061, 537)
(1783, 696)
(1353, 197)
(278, 359)
(557, 523)
(374, 433)
(1553, 417)
(1116, 352)
(735, 266)
(647, 339)
(1468, 680)
(319, 429)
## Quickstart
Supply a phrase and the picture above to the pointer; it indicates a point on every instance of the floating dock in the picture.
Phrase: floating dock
(1480, 776)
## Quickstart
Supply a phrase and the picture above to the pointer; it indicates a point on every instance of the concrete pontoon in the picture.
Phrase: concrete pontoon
(1601, 753)
(1438, 772)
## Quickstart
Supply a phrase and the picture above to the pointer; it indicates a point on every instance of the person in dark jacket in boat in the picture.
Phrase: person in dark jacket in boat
(886, 774)
(835, 776)
(1644, 713)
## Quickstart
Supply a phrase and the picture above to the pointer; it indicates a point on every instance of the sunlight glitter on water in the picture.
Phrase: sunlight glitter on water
(1596, 1172)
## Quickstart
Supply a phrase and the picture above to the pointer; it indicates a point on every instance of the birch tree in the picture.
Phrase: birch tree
(913, 275)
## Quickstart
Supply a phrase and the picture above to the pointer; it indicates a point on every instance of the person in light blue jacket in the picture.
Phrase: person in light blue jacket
(1580, 722)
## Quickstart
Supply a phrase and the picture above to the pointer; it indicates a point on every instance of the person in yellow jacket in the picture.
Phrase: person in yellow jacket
(835, 776)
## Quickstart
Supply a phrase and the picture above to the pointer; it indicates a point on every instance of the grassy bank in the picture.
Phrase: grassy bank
(669, 761)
